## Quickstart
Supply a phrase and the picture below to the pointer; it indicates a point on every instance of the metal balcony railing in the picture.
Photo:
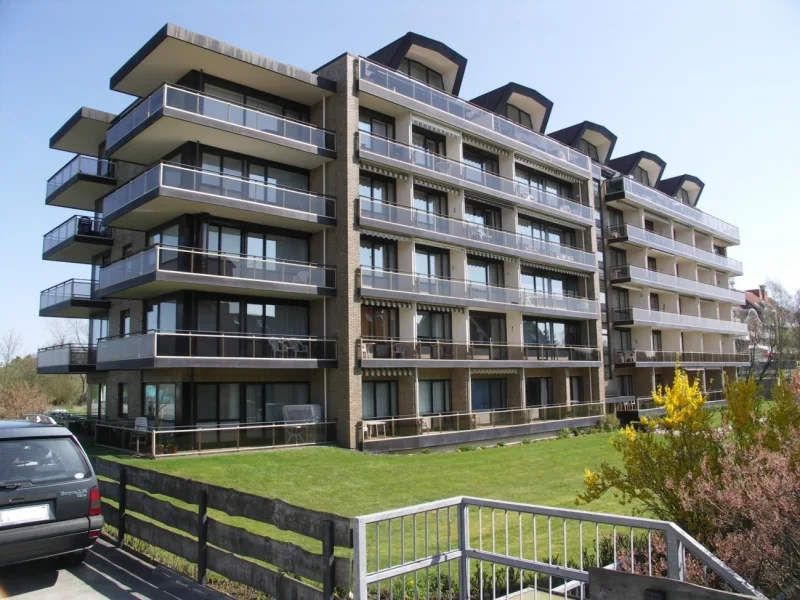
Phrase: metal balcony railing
(622, 357)
(81, 289)
(88, 165)
(674, 283)
(643, 316)
(66, 355)
(77, 225)
(420, 349)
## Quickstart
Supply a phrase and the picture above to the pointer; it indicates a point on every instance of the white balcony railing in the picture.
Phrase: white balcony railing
(675, 284)
(658, 318)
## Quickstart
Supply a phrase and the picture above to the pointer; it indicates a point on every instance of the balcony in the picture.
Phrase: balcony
(383, 353)
(78, 240)
(171, 116)
(167, 191)
(66, 358)
(666, 320)
(74, 298)
(658, 202)
(401, 156)
(396, 285)
(189, 349)
(409, 221)
(661, 358)
(648, 239)
(81, 182)
(163, 269)
(679, 285)
(398, 88)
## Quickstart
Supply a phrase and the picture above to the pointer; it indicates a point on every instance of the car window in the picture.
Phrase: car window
(41, 461)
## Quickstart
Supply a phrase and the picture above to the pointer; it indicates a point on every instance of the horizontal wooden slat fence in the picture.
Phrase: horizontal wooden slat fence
(223, 548)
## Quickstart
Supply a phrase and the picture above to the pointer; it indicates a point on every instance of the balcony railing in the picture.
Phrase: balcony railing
(472, 116)
(622, 357)
(666, 244)
(448, 350)
(660, 202)
(414, 283)
(202, 262)
(215, 184)
(446, 422)
(88, 165)
(491, 182)
(196, 103)
(65, 356)
(468, 232)
(678, 284)
(649, 318)
(82, 289)
(73, 226)
(210, 345)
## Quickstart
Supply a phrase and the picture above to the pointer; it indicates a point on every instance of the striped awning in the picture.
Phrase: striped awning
(382, 171)
(386, 236)
(387, 372)
(485, 145)
(493, 371)
(385, 303)
(546, 169)
(527, 263)
(434, 127)
(492, 255)
(436, 186)
(546, 217)
(440, 308)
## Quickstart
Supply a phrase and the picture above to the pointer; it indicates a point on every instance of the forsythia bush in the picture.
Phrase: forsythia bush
(19, 398)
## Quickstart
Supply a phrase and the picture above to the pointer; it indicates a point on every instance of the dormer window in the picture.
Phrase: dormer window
(420, 72)
(642, 176)
(683, 196)
(589, 148)
(519, 116)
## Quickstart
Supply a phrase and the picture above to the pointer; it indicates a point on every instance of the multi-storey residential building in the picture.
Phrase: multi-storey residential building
(359, 244)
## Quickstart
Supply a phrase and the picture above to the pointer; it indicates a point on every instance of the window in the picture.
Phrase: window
(642, 176)
(576, 390)
(625, 385)
(122, 401)
(127, 250)
(518, 116)
(429, 140)
(431, 262)
(434, 396)
(683, 196)
(378, 399)
(378, 253)
(720, 250)
(375, 123)
(264, 317)
(618, 258)
(420, 72)
(654, 305)
(539, 391)
(239, 166)
(125, 323)
(589, 148)
(41, 461)
(484, 271)
(433, 325)
(543, 332)
(621, 339)
(218, 403)
(539, 182)
(254, 99)
(481, 160)
(97, 401)
(375, 187)
(162, 316)
(429, 201)
(649, 226)
(541, 230)
(651, 264)
(482, 214)
(659, 380)
(98, 329)
(540, 281)
(160, 400)
(657, 343)
(487, 327)
(489, 394)
(379, 322)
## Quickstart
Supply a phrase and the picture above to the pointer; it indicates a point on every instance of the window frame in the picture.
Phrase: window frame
(405, 67)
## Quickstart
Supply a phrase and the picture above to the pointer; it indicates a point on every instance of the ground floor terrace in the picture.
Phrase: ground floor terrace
(170, 411)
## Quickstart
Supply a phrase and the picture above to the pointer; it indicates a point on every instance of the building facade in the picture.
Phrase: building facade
(419, 269)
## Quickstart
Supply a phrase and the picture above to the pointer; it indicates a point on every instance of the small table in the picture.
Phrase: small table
(374, 427)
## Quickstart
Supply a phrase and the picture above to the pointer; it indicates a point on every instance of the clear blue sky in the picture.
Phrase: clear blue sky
(712, 87)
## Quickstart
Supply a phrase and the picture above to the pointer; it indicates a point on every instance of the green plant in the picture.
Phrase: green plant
(526, 442)
(425, 451)
(608, 422)
(563, 434)
(467, 448)
(500, 444)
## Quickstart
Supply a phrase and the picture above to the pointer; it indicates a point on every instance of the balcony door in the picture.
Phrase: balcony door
(538, 391)
(489, 394)
(487, 335)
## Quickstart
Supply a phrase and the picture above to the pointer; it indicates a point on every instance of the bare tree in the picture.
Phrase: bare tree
(10, 347)
(70, 331)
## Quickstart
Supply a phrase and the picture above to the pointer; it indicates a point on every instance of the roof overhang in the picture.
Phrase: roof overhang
(524, 98)
(648, 161)
(174, 51)
(693, 185)
(595, 134)
(83, 132)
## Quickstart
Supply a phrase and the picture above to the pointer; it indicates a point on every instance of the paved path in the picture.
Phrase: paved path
(107, 573)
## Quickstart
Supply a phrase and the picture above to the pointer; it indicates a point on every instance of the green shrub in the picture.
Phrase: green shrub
(425, 451)
(467, 448)
(608, 422)
(526, 442)
(564, 434)
(501, 444)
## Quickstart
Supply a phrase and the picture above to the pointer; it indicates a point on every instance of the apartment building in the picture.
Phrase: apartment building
(361, 248)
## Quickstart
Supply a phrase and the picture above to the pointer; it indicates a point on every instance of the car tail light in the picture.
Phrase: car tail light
(95, 504)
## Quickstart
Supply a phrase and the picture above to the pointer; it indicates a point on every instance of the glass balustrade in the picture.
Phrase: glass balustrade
(679, 284)
(88, 165)
(73, 226)
(648, 318)
(82, 289)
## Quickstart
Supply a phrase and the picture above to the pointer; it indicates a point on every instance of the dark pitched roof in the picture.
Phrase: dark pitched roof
(393, 54)
(670, 186)
(626, 164)
(572, 135)
(496, 100)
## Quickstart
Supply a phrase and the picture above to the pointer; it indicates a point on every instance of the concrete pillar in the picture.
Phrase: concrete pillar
(402, 128)
(405, 257)
(507, 168)
(514, 328)
(407, 323)
(460, 389)
(514, 385)
(561, 386)
(407, 396)
(453, 147)
(405, 192)
(460, 326)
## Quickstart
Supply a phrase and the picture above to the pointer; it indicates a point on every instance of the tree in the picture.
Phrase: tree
(71, 331)
(19, 398)
(10, 347)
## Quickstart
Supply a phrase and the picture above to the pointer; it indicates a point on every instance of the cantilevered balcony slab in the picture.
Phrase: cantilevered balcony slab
(172, 115)
(668, 320)
(65, 359)
(164, 269)
(83, 133)
(78, 239)
(411, 287)
(192, 349)
(638, 276)
(167, 191)
(660, 358)
(80, 182)
(74, 298)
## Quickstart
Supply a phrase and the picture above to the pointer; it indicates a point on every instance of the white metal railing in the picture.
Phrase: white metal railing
(77, 225)
(676, 284)
(88, 165)
(246, 191)
(643, 316)
(207, 263)
(672, 246)
(452, 109)
(82, 289)
(190, 101)
(622, 357)
(465, 232)
(371, 145)
(414, 283)
(661, 203)
(510, 550)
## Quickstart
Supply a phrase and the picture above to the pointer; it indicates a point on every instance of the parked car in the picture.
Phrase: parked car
(49, 497)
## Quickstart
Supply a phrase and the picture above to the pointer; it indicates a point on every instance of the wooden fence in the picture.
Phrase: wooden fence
(223, 548)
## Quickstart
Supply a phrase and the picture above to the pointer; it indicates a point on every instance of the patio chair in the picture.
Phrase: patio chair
(278, 348)
(140, 431)
(297, 417)
(398, 350)
(297, 348)
(302, 277)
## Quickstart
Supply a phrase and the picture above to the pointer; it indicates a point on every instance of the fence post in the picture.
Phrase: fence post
(202, 537)
(123, 501)
(674, 556)
(463, 545)
(359, 559)
(328, 570)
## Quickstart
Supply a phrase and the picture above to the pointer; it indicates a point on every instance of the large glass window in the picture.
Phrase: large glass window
(240, 166)
(481, 160)
(377, 188)
(683, 196)
(433, 325)
(122, 400)
(98, 328)
(540, 230)
(489, 394)
(379, 322)
(378, 399)
(434, 396)
(97, 401)
(255, 99)
(487, 327)
(420, 72)
(160, 400)
(539, 391)
(484, 271)
(431, 262)
(375, 123)
(482, 214)
(519, 116)
(589, 148)
(642, 176)
(125, 323)
(548, 282)
(543, 332)
(162, 315)
(539, 181)
(378, 253)
(429, 140)
(430, 201)
(576, 389)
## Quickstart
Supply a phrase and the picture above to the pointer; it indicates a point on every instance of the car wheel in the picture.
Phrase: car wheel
(73, 560)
